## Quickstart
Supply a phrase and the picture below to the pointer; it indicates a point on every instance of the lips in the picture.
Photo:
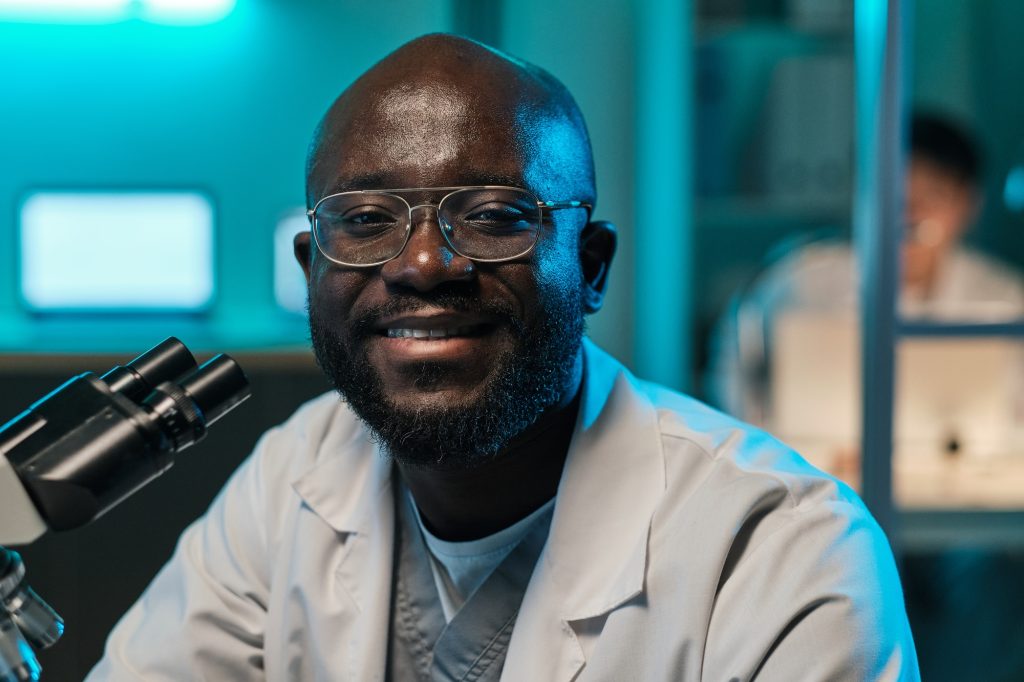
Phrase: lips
(437, 335)
(434, 323)
(432, 332)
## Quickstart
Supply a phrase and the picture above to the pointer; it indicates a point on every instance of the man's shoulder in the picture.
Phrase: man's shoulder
(706, 451)
(819, 273)
(724, 452)
(319, 426)
(987, 279)
(752, 503)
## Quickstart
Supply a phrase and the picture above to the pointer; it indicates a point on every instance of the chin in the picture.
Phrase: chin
(455, 411)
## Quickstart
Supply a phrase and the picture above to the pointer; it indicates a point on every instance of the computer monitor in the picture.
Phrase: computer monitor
(958, 401)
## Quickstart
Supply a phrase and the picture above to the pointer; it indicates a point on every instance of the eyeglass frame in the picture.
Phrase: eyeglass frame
(542, 205)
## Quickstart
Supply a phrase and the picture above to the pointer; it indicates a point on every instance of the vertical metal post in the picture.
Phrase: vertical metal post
(664, 239)
(879, 35)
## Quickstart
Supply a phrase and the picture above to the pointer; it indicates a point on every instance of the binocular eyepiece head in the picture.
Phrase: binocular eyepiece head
(95, 440)
(214, 388)
(183, 397)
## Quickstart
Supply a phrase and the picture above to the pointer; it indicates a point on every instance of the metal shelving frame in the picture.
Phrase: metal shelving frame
(881, 33)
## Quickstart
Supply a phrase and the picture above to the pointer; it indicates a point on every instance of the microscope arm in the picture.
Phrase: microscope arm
(20, 522)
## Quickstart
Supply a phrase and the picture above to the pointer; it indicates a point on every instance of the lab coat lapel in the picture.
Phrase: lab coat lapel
(596, 554)
(365, 526)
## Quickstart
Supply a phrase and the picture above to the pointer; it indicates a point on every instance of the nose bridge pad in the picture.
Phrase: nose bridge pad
(449, 252)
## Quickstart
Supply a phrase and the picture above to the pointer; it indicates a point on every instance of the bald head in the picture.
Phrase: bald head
(447, 109)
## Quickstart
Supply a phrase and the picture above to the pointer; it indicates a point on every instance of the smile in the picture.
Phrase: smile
(434, 333)
(437, 335)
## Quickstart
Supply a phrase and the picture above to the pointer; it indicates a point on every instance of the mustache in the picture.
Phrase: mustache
(364, 323)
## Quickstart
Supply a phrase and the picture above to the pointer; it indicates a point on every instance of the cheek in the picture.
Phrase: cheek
(961, 213)
(558, 264)
(334, 291)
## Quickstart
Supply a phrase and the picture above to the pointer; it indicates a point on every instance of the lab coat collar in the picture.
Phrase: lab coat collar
(614, 476)
(343, 457)
(595, 559)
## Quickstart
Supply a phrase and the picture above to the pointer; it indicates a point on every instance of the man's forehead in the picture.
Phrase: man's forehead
(436, 136)
(409, 138)
(468, 116)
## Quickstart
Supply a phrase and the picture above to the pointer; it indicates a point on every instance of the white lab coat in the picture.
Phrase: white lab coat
(684, 546)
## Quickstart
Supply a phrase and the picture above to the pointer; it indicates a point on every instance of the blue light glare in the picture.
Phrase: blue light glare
(1013, 190)
(185, 11)
(111, 11)
(116, 251)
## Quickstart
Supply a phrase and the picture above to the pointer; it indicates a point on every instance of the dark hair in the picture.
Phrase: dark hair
(947, 145)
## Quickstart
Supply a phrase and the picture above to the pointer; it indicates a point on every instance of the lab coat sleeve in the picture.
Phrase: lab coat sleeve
(818, 599)
(202, 618)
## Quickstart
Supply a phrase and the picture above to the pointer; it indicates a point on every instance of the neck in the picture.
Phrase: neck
(474, 503)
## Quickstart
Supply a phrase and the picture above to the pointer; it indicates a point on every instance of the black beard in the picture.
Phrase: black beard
(528, 379)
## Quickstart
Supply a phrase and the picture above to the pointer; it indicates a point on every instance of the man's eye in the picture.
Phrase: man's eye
(368, 218)
(498, 217)
(364, 223)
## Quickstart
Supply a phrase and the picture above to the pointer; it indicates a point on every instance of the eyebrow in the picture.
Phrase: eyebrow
(484, 178)
(359, 182)
(372, 181)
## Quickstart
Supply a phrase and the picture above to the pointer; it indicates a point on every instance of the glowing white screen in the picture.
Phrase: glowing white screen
(186, 11)
(65, 10)
(110, 251)
(289, 282)
(104, 11)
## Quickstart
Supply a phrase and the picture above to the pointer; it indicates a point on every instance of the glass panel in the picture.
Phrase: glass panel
(774, 171)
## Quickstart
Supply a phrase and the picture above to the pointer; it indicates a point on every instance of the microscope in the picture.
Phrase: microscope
(77, 452)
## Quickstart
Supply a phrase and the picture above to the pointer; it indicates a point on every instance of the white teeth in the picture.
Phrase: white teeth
(428, 333)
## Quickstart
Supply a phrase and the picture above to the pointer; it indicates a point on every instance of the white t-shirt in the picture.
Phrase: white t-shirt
(460, 568)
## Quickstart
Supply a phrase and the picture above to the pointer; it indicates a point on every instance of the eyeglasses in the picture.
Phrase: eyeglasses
(487, 224)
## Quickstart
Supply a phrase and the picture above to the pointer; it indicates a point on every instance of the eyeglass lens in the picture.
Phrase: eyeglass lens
(362, 228)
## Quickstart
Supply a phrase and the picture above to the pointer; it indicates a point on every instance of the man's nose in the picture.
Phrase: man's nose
(427, 259)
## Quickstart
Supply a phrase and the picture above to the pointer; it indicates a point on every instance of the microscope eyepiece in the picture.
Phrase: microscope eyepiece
(167, 361)
(216, 387)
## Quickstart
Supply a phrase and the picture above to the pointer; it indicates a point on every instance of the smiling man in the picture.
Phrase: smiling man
(495, 497)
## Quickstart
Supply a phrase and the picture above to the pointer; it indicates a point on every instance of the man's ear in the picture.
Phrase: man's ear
(303, 246)
(597, 247)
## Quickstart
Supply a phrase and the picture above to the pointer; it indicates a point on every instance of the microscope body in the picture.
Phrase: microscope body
(80, 450)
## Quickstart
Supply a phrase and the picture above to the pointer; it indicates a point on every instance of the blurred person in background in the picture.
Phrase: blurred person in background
(941, 278)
